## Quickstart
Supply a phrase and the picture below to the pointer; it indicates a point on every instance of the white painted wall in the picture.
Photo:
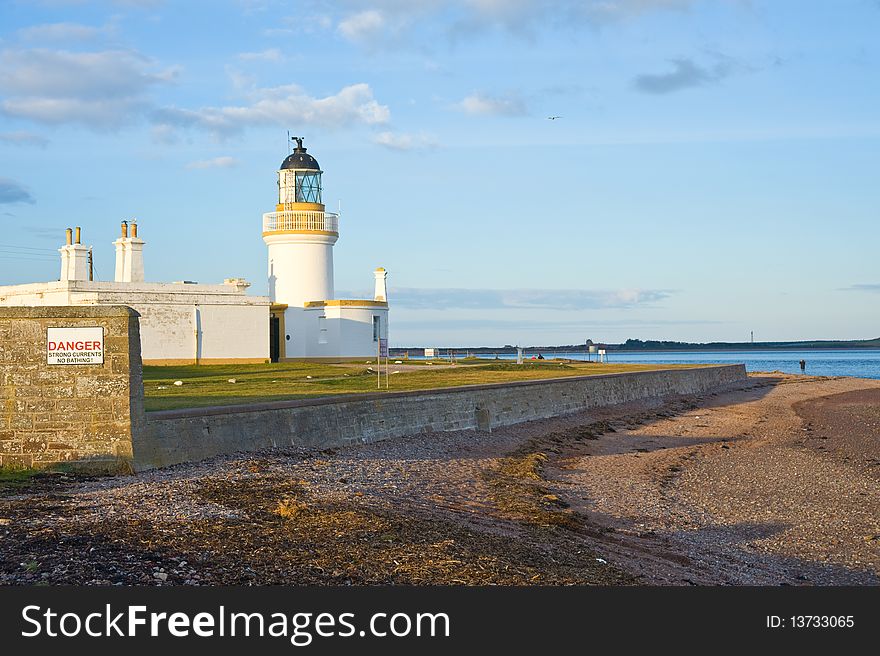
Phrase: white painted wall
(74, 262)
(133, 268)
(349, 331)
(119, 272)
(380, 292)
(356, 329)
(231, 324)
(235, 331)
(300, 267)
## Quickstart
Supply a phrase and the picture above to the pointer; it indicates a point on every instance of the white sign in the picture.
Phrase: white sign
(75, 345)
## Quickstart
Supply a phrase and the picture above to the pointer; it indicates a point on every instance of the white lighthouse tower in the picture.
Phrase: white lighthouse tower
(300, 234)
(306, 321)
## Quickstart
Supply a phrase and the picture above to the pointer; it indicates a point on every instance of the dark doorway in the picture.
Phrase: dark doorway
(274, 338)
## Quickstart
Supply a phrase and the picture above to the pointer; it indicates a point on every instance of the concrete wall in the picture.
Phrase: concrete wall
(181, 435)
(83, 415)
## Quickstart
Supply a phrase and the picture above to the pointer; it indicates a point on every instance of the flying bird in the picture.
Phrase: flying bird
(553, 118)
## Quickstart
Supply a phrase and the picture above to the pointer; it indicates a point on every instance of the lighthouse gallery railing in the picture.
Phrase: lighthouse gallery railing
(300, 220)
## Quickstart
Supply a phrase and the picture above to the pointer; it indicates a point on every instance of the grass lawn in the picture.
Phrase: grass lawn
(207, 385)
(13, 478)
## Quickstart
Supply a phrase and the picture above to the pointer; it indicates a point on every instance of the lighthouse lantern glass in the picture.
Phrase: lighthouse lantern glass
(308, 187)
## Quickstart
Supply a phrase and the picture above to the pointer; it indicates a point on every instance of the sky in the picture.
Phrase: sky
(713, 169)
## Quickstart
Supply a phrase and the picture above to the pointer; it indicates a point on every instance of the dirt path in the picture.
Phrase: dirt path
(769, 484)
(763, 486)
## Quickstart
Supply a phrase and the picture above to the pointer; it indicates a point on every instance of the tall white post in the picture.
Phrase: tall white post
(381, 293)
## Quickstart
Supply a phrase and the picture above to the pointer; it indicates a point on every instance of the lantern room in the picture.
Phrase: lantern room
(299, 179)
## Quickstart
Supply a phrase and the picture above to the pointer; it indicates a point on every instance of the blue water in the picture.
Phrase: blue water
(861, 363)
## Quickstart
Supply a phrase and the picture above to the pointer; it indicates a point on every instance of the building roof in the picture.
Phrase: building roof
(299, 159)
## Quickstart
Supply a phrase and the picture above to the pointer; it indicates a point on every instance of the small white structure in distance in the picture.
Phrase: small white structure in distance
(432, 353)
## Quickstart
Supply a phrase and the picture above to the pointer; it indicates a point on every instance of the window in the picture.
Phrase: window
(299, 187)
(377, 324)
(308, 187)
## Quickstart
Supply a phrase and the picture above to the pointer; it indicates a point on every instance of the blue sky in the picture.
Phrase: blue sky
(714, 169)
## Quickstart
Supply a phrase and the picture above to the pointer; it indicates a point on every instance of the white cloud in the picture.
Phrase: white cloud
(105, 90)
(142, 4)
(97, 114)
(522, 299)
(223, 162)
(385, 23)
(404, 141)
(23, 139)
(99, 89)
(363, 27)
(270, 55)
(281, 106)
(164, 134)
(486, 105)
(300, 24)
(55, 32)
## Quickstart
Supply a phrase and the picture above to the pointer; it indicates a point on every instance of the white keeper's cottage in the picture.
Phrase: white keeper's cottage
(186, 322)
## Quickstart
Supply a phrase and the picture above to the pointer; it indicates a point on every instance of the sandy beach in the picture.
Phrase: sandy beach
(774, 482)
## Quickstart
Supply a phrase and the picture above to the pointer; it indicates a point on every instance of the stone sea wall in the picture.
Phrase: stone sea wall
(91, 416)
(82, 415)
(175, 436)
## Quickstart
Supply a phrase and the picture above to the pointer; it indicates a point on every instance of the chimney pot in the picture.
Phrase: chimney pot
(69, 236)
(134, 229)
(78, 234)
(125, 229)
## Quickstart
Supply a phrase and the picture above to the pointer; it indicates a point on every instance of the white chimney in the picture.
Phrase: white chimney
(65, 256)
(129, 255)
(74, 258)
(119, 244)
(134, 260)
(381, 293)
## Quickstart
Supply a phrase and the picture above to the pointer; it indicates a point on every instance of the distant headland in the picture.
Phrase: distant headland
(663, 345)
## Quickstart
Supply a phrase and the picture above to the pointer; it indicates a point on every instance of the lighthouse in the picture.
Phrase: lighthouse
(305, 319)
(300, 234)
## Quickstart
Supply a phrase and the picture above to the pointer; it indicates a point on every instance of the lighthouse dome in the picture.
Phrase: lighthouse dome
(299, 159)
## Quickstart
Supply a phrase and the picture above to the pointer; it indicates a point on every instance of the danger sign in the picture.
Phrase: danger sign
(75, 345)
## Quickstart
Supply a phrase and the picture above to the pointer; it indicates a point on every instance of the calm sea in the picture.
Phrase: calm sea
(862, 363)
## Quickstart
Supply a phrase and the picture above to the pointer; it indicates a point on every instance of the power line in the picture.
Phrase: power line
(24, 257)
(13, 251)
(28, 248)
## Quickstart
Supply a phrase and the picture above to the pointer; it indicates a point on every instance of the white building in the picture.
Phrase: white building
(181, 322)
(186, 322)
(306, 321)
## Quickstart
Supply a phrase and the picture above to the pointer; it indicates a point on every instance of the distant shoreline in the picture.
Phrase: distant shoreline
(483, 350)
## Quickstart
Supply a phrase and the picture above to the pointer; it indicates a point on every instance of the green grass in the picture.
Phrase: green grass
(13, 478)
(471, 360)
(207, 385)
